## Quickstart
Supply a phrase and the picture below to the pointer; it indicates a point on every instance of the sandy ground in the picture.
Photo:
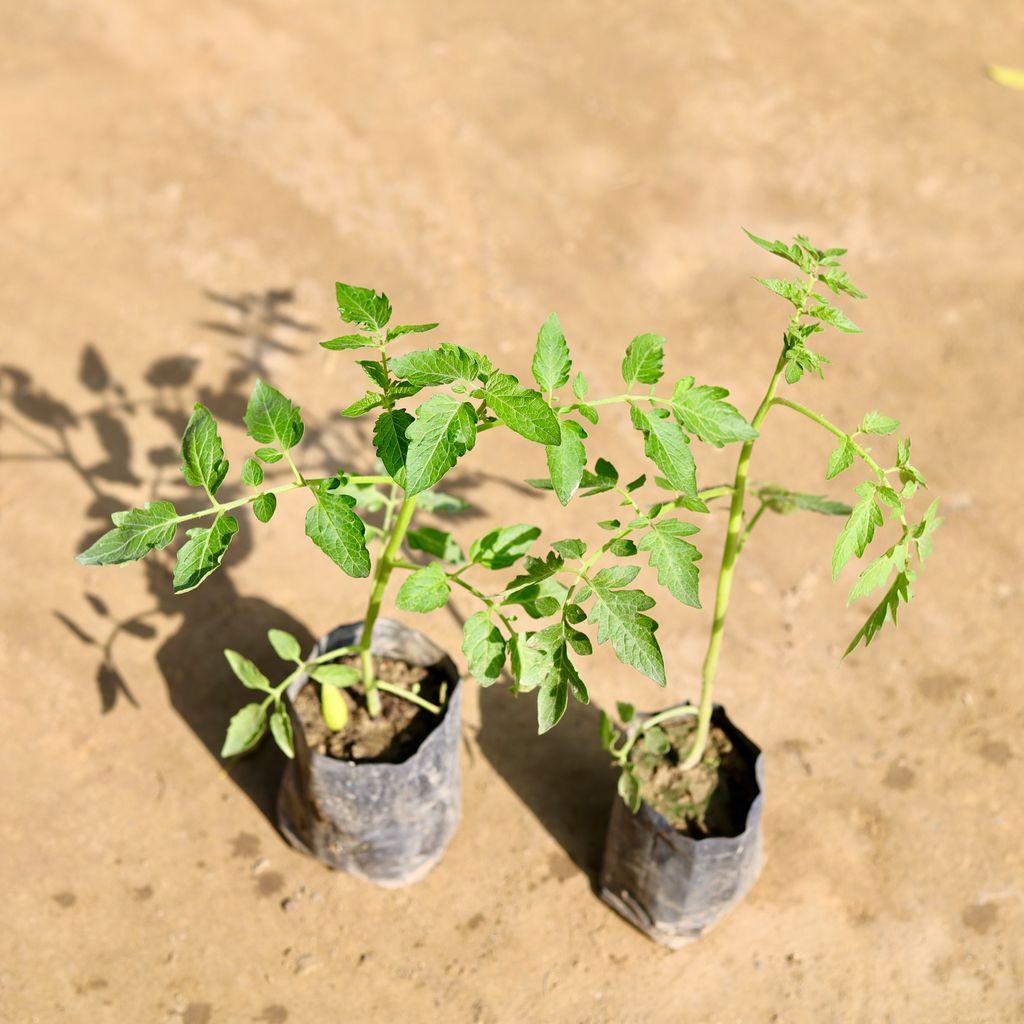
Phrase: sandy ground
(181, 185)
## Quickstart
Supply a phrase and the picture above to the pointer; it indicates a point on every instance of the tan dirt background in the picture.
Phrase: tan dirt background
(181, 185)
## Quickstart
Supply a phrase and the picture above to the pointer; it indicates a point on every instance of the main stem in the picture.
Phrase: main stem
(724, 590)
(385, 564)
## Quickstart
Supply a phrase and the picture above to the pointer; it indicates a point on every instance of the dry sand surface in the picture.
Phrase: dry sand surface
(182, 184)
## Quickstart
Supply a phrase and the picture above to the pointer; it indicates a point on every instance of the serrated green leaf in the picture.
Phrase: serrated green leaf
(391, 442)
(432, 367)
(580, 386)
(375, 371)
(884, 612)
(644, 358)
(842, 458)
(858, 531)
(674, 558)
(876, 423)
(837, 280)
(619, 617)
(136, 532)
(567, 461)
(202, 453)
(702, 411)
(790, 290)
(623, 547)
(553, 698)
(284, 644)
(248, 674)
(444, 431)
(571, 548)
(201, 554)
(522, 409)
(503, 546)
(424, 590)
(397, 332)
(922, 533)
(540, 599)
(484, 647)
(268, 455)
(836, 317)
(876, 574)
(610, 524)
(281, 730)
(362, 306)
(439, 543)
(616, 576)
(777, 248)
(666, 445)
(336, 676)
(338, 532)
(264, 507)
(348, 341)
(271, 418)
(551, 362)
(371, 400)
(252, 473)
(245, 730)
(530, 667)
(536, 570)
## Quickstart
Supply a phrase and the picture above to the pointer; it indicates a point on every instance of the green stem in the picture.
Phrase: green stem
(413, 698)
(490, 603)
(750, 526)
(385, 564)
(725, 574)
(834, 430)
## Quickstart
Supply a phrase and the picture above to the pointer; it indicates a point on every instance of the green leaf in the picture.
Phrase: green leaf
(777, 248)
(838, 281)
(553, 698)
(371, 400)
(441, 503)
(623, 547)
(842, 458)
(391, 442)
(522, 409)
(271, 418)
(264, 507)
(285, 645)
(444, 431)
(336, 676)
(629, 789)
(922, 533)
(539, 600)
(338, 532)
(425, 590)
(572, 548)
(269, 455)
(362, 306)
(201, 554)
(876, 423)
(247, 672)
(604, 478)
(504, 546)
(252, 473)
(859, 530)
(245, 730)
(397, 332)
(439, 543)
(551, 362)
(837, 318)
(656, 741)
(136, 532)
(375, 371)
(619, 619)
(608, 733)
(783, 501)
(701, 411)
(530, 667)
(884, 612)
(625, 711)
(877, 573)
(567, 461)
(536, 571)
(674, 558)
(202, 454)
(666, 445)
(484, 647)
(580, 386)
(348, 341)
(281, 730)
(791, 290)
(432, 367)
(644, 357)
